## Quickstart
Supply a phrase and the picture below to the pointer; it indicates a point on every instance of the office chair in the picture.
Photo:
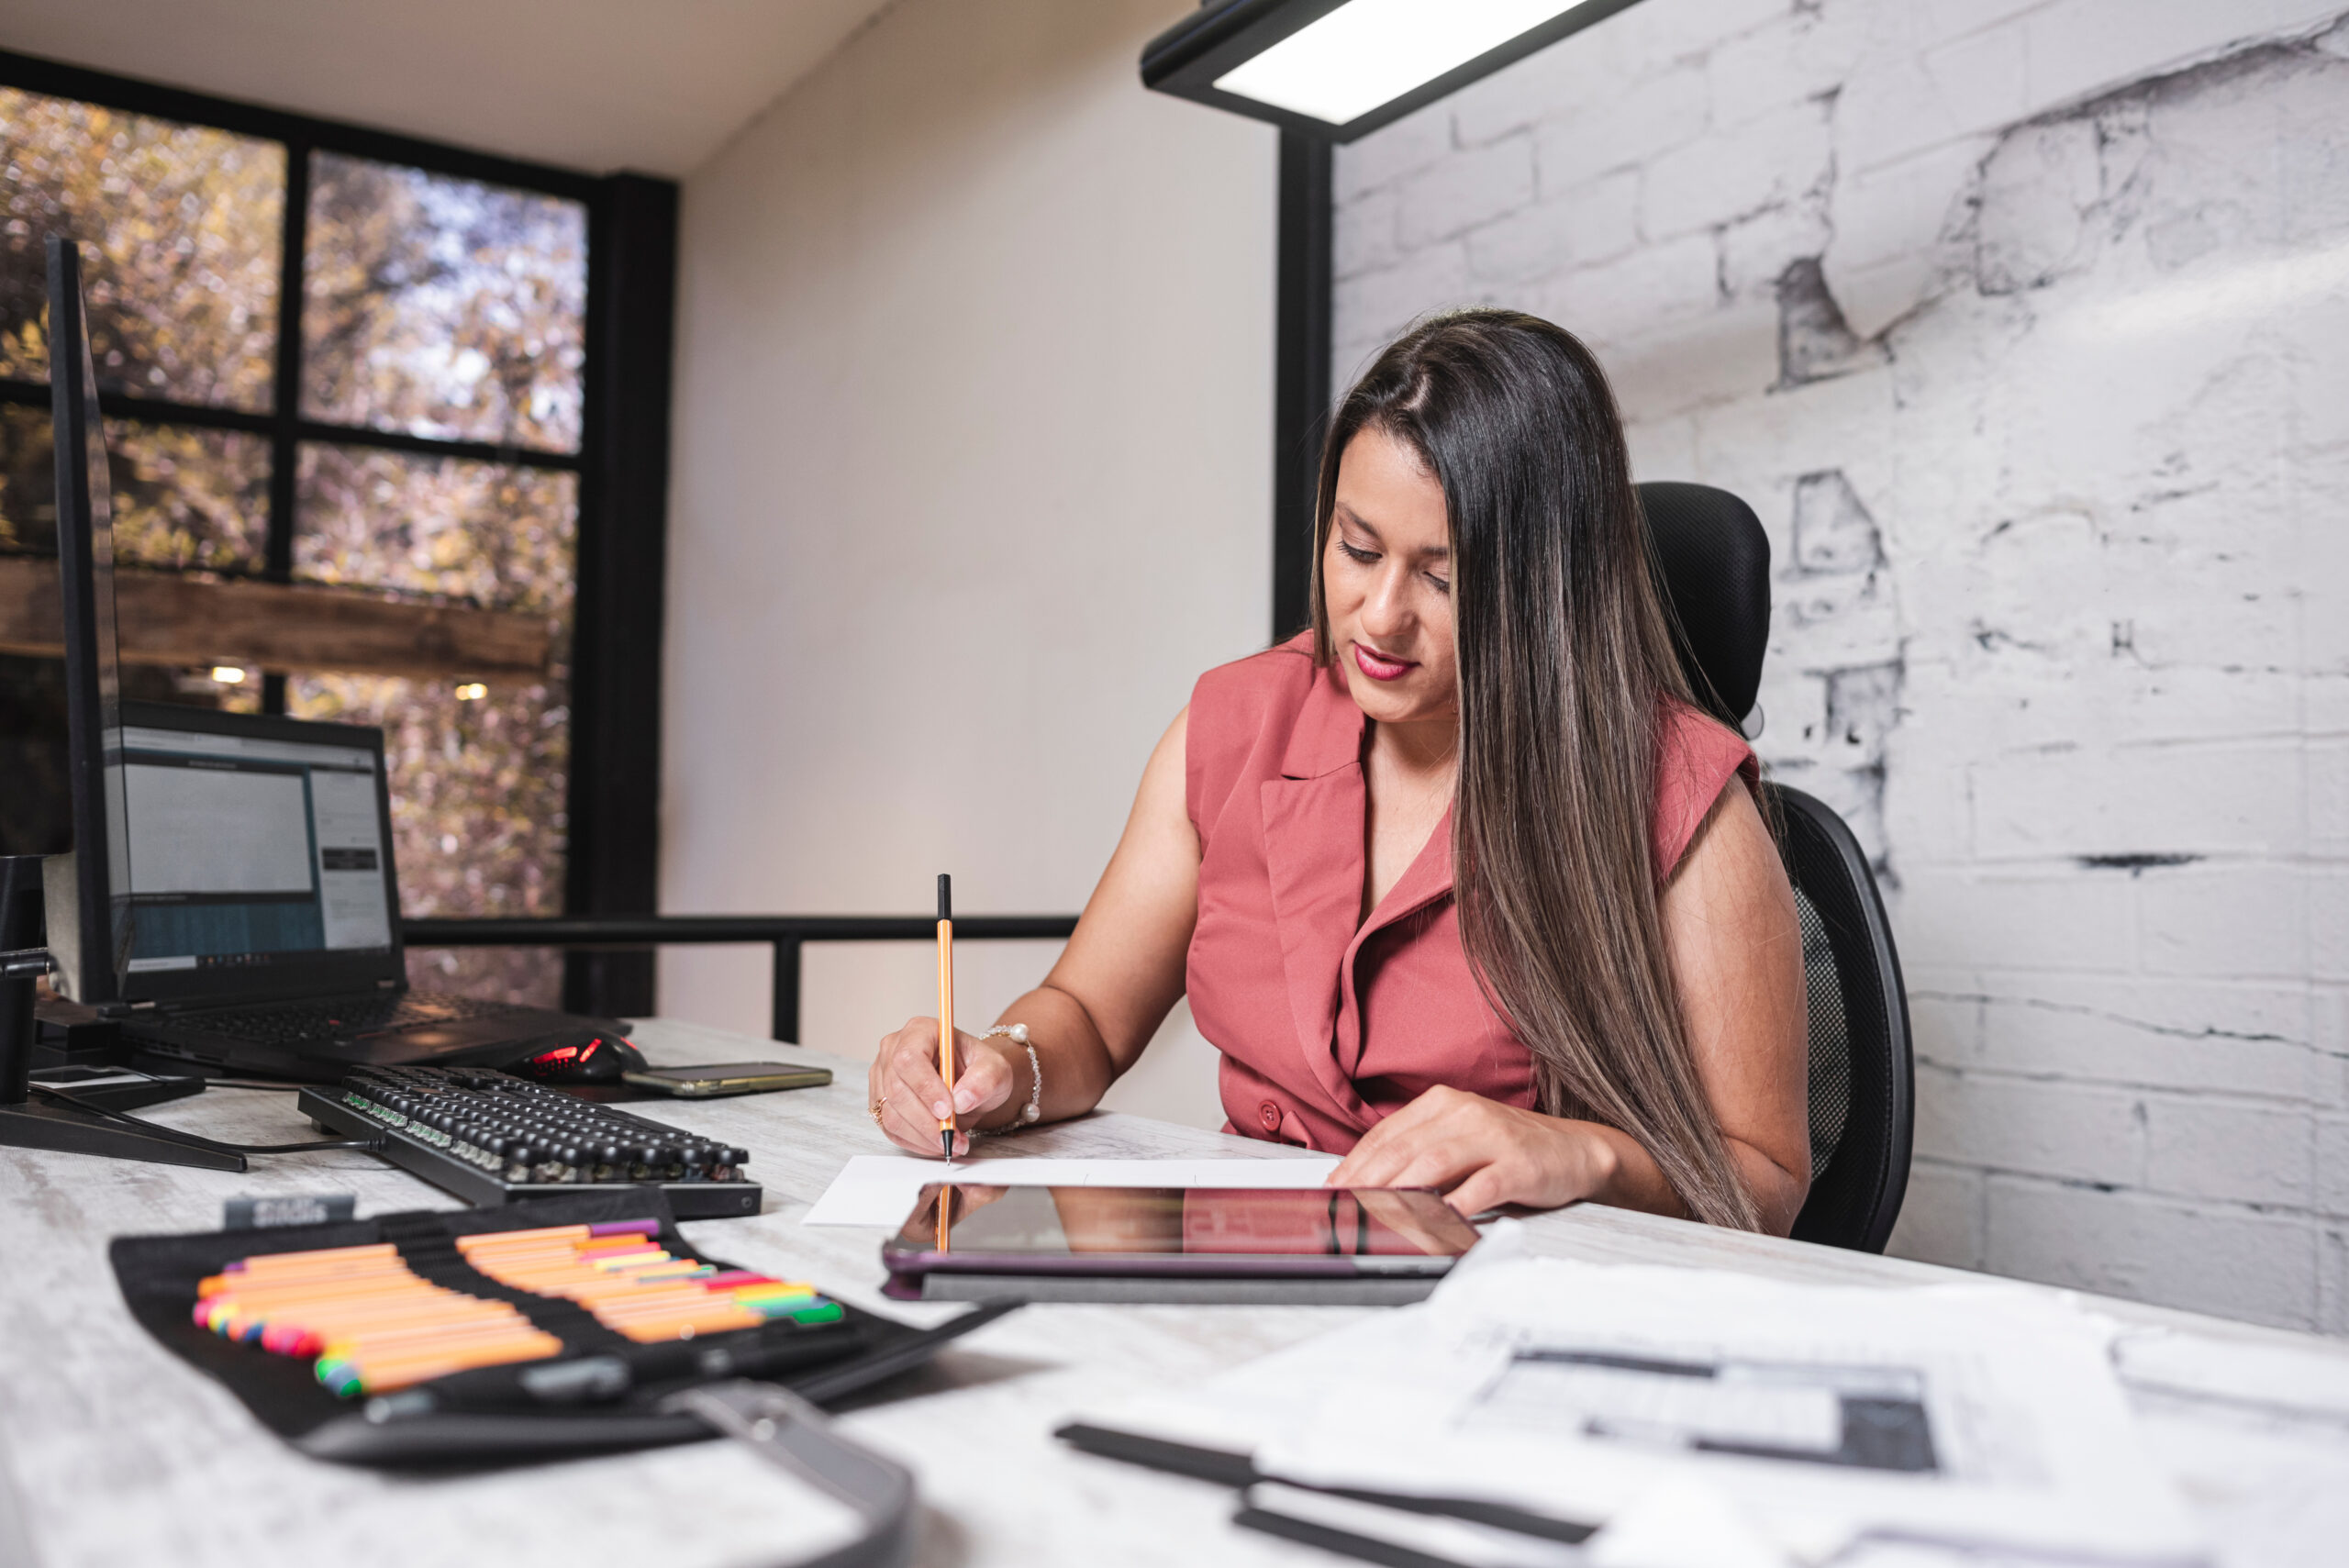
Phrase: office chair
(1712, 561)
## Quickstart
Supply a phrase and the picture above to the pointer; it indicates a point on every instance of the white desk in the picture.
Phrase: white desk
(112, 1452)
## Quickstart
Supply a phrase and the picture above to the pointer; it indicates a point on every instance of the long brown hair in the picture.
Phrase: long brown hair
(1566, 666)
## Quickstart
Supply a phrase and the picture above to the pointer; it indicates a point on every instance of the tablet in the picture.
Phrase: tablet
(1226, 1232)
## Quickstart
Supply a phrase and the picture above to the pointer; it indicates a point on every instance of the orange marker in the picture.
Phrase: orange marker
(633, 1286)
(371, 1324)
(361, 1373)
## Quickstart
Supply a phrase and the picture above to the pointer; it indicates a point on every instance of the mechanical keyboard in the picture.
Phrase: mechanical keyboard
(490, 1137)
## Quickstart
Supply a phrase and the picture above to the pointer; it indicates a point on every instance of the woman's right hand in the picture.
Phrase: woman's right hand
(909, 1099)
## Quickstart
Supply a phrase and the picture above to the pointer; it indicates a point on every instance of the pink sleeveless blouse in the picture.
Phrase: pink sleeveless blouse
(1328, 1022)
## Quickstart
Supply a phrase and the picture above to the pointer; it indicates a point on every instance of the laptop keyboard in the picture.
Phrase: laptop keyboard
(343, 1017)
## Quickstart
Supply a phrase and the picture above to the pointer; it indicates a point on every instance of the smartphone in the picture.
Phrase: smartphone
(728, 1078)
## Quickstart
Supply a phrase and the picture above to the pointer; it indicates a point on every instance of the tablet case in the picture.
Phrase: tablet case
(159, 1277)
(1161, 1290)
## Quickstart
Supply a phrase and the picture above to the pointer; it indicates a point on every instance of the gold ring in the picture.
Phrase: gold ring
(877, 1111)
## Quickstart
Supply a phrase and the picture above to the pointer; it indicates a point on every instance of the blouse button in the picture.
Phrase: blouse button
(1269, 1114)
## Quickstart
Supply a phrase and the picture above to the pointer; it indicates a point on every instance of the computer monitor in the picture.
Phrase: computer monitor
(254, 857)
(86, 933)
(240, 855)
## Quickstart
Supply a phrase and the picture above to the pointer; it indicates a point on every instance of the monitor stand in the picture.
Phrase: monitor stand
(47, 1123)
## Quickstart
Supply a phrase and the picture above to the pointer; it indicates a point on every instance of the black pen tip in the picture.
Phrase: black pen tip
(946, 1143)
(945, 897)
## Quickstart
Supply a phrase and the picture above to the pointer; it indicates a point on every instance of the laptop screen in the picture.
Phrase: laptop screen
(251, 856)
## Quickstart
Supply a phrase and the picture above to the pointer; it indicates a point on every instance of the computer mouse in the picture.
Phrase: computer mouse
(591, 1057)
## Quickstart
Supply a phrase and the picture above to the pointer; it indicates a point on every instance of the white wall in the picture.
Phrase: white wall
(973, 468)
(2021, 324)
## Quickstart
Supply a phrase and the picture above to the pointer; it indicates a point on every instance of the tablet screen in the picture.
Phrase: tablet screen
(1007, 1226)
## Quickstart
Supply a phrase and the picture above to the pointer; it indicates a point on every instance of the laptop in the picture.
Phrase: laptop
(255, 906)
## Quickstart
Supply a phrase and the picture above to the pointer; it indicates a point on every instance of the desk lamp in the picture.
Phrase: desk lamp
(1343, 68)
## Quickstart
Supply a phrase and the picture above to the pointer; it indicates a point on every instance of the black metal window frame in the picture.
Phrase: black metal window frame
(621, 462)
(632, 935)
(284, 424)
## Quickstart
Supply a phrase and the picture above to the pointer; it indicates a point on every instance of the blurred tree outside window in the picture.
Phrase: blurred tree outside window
(187, 225)
(443, 307)
(478, 827)
(431, 434)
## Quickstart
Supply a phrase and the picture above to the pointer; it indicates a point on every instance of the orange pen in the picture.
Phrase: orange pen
(946, 1010)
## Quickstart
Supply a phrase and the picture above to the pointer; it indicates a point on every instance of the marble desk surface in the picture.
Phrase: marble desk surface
(114, 1452)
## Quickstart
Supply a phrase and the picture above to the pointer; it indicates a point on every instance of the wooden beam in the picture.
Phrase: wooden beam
(185, 620)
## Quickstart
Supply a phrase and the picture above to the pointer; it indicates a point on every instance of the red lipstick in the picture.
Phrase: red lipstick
(1380, 666)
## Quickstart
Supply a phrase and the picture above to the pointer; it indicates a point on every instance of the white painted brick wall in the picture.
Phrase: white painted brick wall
(2333, 1164)
(1588, 224)
(2206, 1147)
(2136, 1031)
(2329, 930)
(1753, 168)
(1622, 128)
(2205, 1256)
(2019, 322)
(2244, 799)
(2329, 1034)
(1474, 185)
(1944, 1213)
(2005, 921)
(1363, 238)
(2030, 1127)
(2249, 922)
(2333, 1280)
(1758, 73)
(1655, 284)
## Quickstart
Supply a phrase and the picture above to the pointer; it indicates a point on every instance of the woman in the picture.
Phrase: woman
(1460, 882)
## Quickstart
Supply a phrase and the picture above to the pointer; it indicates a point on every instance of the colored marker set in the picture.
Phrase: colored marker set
(369, 1321)
(621, 1274)
(371, 1324)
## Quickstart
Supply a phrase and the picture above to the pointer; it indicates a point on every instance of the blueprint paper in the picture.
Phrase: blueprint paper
(1977, 1417)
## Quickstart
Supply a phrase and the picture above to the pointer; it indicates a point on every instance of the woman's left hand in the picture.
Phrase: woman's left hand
(1480, 1153)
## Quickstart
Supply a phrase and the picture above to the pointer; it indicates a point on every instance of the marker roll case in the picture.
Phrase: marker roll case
(159, 1276)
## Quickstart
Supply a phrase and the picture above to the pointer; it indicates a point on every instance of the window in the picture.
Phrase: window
(335, 370)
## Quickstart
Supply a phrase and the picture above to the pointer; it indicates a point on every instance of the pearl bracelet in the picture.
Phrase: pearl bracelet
(1034, 1109)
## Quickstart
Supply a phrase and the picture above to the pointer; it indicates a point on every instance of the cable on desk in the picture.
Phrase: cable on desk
(51, 1092)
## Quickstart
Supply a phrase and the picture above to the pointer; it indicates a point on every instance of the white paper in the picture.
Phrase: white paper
(1684, 1524)
(1975, 1416)
(881, 1189)
(1567, 1389)
(2284, 1378)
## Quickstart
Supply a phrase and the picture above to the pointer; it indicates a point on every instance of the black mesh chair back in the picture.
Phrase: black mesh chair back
(1863, 1103)
(1712, 561)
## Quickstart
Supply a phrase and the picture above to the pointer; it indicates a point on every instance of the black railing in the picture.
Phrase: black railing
(785, 933)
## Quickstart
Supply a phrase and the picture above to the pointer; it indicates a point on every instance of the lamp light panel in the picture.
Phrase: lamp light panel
(1370, 52)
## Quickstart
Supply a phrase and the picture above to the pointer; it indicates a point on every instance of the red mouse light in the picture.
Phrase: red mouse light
(594, 1059)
